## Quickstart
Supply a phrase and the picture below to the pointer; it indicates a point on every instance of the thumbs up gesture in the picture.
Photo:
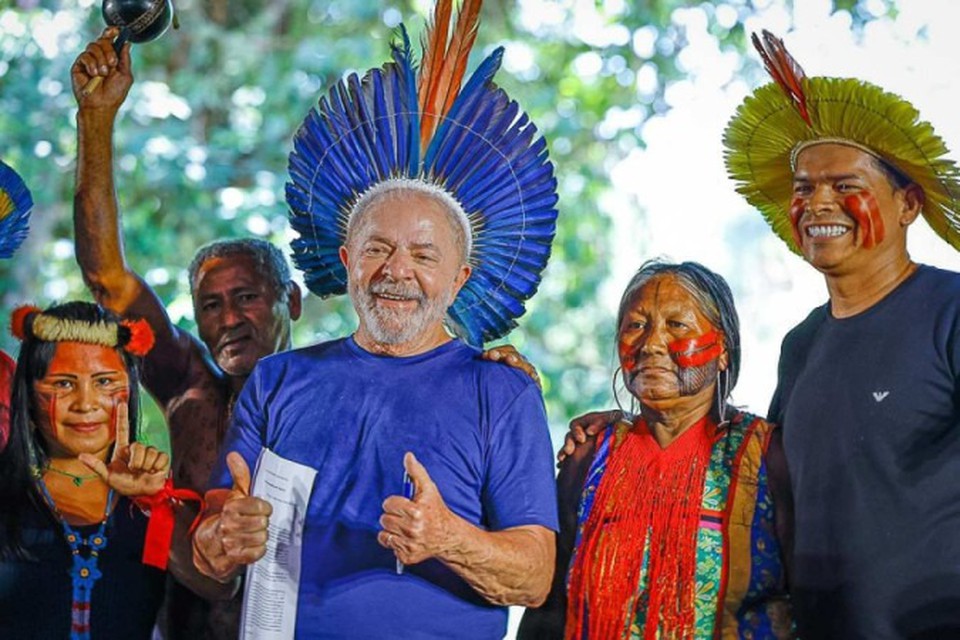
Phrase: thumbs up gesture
(237, 535)
(422, 527)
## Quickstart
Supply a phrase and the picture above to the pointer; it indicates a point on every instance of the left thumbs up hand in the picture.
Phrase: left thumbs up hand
(420, 528)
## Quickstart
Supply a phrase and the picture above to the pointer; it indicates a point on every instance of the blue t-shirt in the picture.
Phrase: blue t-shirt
(478, 427)
(870, 410)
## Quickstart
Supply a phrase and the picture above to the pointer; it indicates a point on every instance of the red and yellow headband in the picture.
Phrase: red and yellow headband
(133, 336)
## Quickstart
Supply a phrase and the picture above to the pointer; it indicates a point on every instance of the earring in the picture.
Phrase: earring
(721, 401)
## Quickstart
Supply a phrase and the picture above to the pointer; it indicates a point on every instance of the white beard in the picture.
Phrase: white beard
(391, 326)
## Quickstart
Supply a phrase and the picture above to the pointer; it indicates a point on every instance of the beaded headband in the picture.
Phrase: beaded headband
(133, 336)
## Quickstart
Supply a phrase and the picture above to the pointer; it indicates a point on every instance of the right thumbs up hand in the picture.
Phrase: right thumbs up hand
(237, 534)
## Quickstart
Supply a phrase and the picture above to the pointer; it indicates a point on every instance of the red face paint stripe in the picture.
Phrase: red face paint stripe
(866, 211)
(628, 360)
(796, 211)
(696, 352)
(52, 413)
(699, 358)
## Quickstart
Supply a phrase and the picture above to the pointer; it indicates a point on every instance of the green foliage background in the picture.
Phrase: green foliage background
(203, 140)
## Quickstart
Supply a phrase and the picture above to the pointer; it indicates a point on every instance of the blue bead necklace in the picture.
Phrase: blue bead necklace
(84, 572)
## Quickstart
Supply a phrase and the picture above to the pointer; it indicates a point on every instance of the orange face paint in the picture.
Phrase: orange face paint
(75, 402)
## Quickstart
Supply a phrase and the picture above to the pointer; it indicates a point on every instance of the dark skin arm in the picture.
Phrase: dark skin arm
(508, 355)
(548, 621)
(97, 224)
(584, 429)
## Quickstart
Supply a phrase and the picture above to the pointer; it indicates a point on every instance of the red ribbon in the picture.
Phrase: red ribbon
(156, 546)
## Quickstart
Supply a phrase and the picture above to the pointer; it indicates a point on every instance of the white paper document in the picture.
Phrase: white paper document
(270, 592)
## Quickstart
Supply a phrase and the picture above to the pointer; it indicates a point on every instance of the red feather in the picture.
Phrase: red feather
(441, 73)
(784, 69)
(434, 45)
(141, 337)
(18, 320)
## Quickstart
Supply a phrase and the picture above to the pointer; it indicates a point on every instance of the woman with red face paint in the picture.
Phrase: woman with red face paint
(674, 520)
(75, 546)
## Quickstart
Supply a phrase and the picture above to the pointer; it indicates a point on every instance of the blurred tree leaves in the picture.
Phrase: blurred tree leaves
(203, 139)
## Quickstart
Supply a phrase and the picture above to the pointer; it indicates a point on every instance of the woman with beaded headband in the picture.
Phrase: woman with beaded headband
(671, 519)
(75, 555)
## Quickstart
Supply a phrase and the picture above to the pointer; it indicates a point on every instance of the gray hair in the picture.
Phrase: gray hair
(268, 259)
(397, 187)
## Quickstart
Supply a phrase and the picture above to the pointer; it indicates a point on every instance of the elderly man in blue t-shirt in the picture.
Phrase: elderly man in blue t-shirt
(400, 394)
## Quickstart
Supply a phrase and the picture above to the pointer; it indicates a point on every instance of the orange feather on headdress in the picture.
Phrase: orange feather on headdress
(443, 66)
(784, 69)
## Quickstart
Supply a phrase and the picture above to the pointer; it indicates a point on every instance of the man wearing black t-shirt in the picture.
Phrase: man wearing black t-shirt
(868, 392)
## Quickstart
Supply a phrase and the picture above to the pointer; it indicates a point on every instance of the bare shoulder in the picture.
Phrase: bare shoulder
(179, 364)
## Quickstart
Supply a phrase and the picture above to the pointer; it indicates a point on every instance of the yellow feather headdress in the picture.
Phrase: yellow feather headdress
(783, 117)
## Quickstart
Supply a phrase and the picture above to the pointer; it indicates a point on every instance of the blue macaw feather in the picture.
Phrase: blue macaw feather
(466, 132)
(304, 173)
(500, 172)
(480, 80)
(400, 122)
(533, 207)
(325, 129)
(468, 179)
(464, 166)
(359, 152)
(506, 258)
(519, 280)
(524, 204)
(468, 147)
(387, 131)
(464, 326)
(461, 141)
(405, 104)
(347, 145)
(366, 127)
(469, 94)
(494, 318)
(475, 318)
(491, 284)
(15, 206)
(508, 245)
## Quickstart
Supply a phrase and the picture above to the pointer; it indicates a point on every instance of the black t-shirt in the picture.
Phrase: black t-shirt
(36, 595)
(870, 407)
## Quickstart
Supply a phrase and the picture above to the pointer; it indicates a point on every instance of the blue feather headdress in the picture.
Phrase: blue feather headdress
(479, 148)
(15, 205)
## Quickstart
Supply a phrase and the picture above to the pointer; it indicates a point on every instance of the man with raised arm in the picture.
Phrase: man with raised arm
(244, 303)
